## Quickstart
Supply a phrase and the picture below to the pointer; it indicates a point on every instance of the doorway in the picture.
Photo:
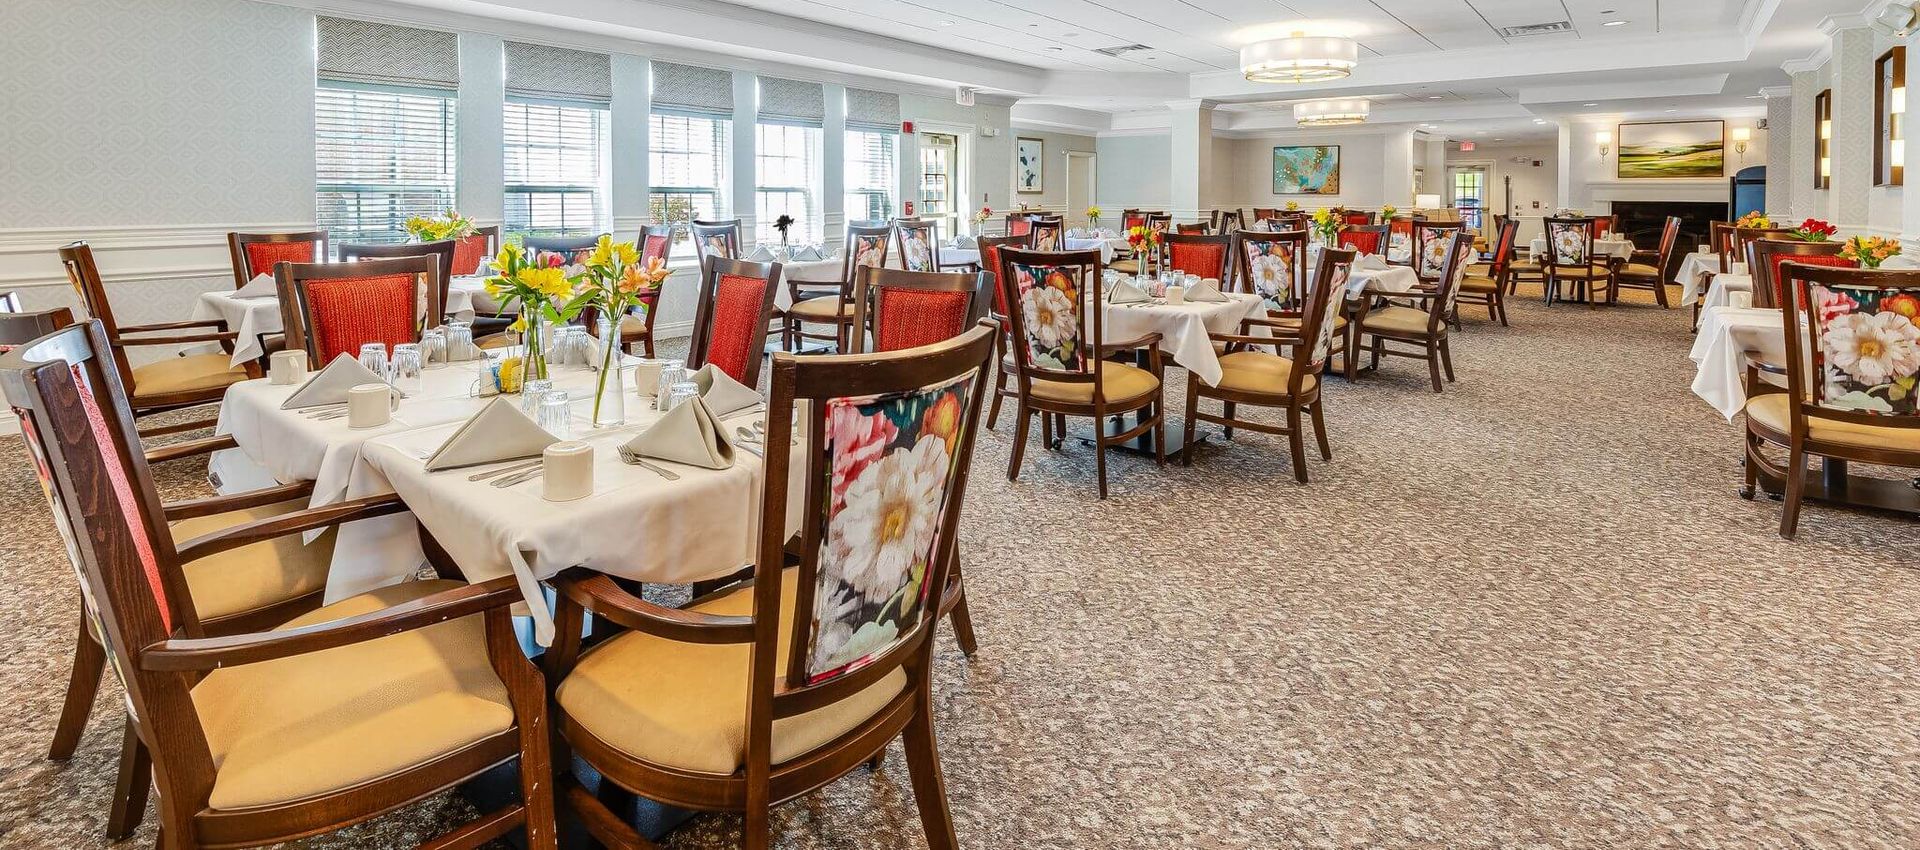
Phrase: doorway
(940, 193)
(1468, 187)
(1080, 181)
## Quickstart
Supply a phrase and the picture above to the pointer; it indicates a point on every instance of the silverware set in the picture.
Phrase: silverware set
(324, 412)
(520, 477)
(516, 466)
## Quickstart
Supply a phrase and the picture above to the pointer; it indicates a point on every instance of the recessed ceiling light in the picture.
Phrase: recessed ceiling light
(1498, 139)
(1539, 120)
(1616, 23)
(1589, 104)
(1673, 110)
(1433, 97)
(946, 23)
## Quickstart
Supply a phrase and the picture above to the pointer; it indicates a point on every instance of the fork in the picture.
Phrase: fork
(641, 462)
(502, 470)
(520, 477)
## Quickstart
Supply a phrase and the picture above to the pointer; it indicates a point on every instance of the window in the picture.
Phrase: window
(938, 160)
(382, 156)
(555, 169)
(872, 175)
(1889, 118)
(1823, 139)
(689, 167)
(787, 160)
(1469, 188)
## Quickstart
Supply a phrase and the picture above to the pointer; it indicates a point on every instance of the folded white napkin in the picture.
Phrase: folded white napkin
(964, 241)
(330, 386)
(688, 434)
(1127, 292)
(723, 394)
(1371, 262)
(498, 432)
(261, 286)
(1208, 289)
(807, 253)
(761, 254)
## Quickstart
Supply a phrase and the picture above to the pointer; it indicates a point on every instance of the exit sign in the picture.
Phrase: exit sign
(1466, 146)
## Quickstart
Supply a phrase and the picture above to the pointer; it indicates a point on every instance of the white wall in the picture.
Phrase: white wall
(1053, 197)
(1594, 183)
(1531, 185)
(1135, 171)
(1362, 171)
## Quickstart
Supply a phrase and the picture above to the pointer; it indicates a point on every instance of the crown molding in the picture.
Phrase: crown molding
(1835, 23)
(1771, 92)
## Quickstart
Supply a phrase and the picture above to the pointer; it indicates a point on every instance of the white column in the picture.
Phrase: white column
(1433, 161)
(480, 174)
(1781, 151)
(1192, 174)
(1397, 181)
(1806, 198)
(1852, 147)
(909, 153)
(746, 111)
(628, 139)
(833, 166)
(1563, 181)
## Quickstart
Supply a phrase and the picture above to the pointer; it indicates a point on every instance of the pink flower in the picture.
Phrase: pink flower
(1833, 305)
(858, 440)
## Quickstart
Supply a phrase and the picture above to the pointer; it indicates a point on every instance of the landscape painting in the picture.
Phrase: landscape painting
(1672, 149)
(1306, 170)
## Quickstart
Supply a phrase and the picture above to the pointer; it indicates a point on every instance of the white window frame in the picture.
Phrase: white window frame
(809, 226)
(592, 181)
(402, 195)
(661, 195)
(860, 193)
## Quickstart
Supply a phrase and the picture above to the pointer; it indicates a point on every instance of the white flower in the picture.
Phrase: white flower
(1269, 275)
(1874, 348)
(1049, 316)
(891, 514)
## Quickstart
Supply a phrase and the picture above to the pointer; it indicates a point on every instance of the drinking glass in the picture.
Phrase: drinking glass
(679, 393)
(459, 341)
(373, 355)
(531, 394)
(556, 414)
(433, 346)
(405, 371)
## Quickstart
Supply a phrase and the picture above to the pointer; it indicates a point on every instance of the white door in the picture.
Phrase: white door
(940, 185)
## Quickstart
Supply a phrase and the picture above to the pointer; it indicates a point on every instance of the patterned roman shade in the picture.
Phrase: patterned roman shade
(692, 90)
(792, 102)
(873, 111)
(384, 54)
(556, 73)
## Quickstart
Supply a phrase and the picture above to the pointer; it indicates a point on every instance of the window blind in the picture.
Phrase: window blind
(556, 73)
(555, 175)
(689, 163)
(792, 102)
(383, 54)
(692, 90)
(381, 157)
(873, 111)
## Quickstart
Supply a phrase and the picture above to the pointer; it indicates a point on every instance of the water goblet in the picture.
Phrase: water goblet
(433, 346)
(373, 355)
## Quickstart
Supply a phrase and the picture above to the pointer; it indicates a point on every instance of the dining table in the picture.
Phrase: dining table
(252, 318)
(1614, 248)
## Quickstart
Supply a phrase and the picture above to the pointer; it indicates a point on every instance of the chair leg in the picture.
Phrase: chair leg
(1446, 358)
(757, 832)
(1796, 488)
(1100, 454)
(1320, 431)
(963, 623)
(999, 392)
(1046, 432)
(1297, 443)
(1186, 439)
(1020, 417)
(1228, 407)
(1160, 431)
(923, 768)
(89, 661)
(1433, 364)
(130, 789)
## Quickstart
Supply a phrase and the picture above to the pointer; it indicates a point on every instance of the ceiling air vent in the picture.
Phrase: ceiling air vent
(1124, 48)
(1536, 29)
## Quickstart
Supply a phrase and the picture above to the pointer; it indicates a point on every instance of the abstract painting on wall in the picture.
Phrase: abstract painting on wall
(1030, 167)
(1306, 170)
(1670, 149)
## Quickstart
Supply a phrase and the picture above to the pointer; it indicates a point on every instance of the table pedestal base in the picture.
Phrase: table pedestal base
(1834, 486)
(1143, 444)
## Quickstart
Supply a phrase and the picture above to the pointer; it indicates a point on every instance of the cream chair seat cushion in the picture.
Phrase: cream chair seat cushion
(1771, 411)
(295, 728)
(186, 374)
(1121, 384)
(822, 309)
(257, 575)
(1578, 272)
(1260, 372)
(631, 324)
(1479, 285)
(1125, 266)
(684, 705)
(1397, 320)
(1639, 270)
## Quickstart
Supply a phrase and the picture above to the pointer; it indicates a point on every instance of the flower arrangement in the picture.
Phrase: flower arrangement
(1142, 238)
(1293, 206)
(1326, 224)
(1814, 230)
(1755, 219)
(1388, 211)
(543, 293)
(783, 224)
(1869, 251)
(612, 282)
(453, 225)
(981, 217)
(1093, 216)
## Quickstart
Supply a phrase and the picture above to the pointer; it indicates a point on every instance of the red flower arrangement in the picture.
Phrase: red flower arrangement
(1814, 230)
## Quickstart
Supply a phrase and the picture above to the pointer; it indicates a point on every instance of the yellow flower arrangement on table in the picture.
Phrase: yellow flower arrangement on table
(1388, 211)
(612, 282)
(544, 294)
(1755, 219)
(1293, 206)
(1093, 216)
(1326, 224)
(435, 228)
(1869, 251)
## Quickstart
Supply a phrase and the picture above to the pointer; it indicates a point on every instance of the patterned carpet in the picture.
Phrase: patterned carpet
(1527, 612)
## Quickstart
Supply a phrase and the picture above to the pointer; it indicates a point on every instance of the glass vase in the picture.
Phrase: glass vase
(533, 361)
(609, 389)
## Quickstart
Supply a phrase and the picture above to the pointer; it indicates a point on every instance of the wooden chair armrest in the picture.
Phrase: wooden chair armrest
(1756, 364)
(173, 326)
(1273, 323)
(279, 526)
(179, 655)
(1149, 339)
(1249, 339)
(601, 595)
(177, 339)
(190, 508)
(189, 448)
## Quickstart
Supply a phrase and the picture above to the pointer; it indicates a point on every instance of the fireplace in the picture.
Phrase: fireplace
(1642, 222)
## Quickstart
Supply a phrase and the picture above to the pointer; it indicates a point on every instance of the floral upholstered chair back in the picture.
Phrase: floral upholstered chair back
(560, 250)
(866, 249)
(1460, 255)
(1048, 234)
(919, 245)
(1324, 299)
(1430, 243)
(1569, 241)
(1053, 329)
(886, 453)
(1272, 266)
(716, 239)
(1863, 329)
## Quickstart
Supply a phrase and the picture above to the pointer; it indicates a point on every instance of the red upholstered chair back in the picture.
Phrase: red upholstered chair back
(1356, 218)
(1602, 225)
(1365, 239)
(1764, 257)
(330, 309)
(990, 260)
(255, 254)
(1132, 219)
(468, 251)
(730, 324)
(911, 309)
(656, 242)
(1198, 254)
(1018, 224)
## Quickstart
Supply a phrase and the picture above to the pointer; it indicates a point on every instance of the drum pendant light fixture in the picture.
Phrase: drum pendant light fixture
(1330, 113)
(1299, 58)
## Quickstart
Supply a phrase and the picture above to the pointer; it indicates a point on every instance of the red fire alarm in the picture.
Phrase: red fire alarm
(906, 127)
(909, 208)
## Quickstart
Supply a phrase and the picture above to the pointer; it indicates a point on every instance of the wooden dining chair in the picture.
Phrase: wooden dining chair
(832, 305)
(1422, 331)
(1650, 277)
(1720, 239)
(331, 309)
(1272, 265)
(730, 319)
(1848, 396)
(1019, 223)
(1491, 289)
(717, 238)
(1049, 233)
(773, 687)
(1229, 222)
(1130, 219)
(1059, 357)
(333, 718)
(1195, 229)
(1765, 256)
(442, 251)
(1741, 237)
(1570, 259)
(19, 326)
(1262, 213)
(1200, 254)
(1432, 241)
(903, 309)
(574, 249)
(1356, 218)
(1364, 238)
(990, 248)
(1267, 379)
(919, 245)
(169, 383)
(655, 241)
(470, 251)
(255, 254)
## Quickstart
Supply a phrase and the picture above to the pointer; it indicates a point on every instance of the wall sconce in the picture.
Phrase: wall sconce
(1605, 140)
(1741, 136)
(1826, 168)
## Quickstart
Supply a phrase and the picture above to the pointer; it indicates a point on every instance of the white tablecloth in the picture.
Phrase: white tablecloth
(1693, 266)
(1390, 280)
(253, 318)
(828, 270)
(1730, 290)
(1621, 248)
(1106, 246)
(636, 525)
(1725, 335)
(1183, 328)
